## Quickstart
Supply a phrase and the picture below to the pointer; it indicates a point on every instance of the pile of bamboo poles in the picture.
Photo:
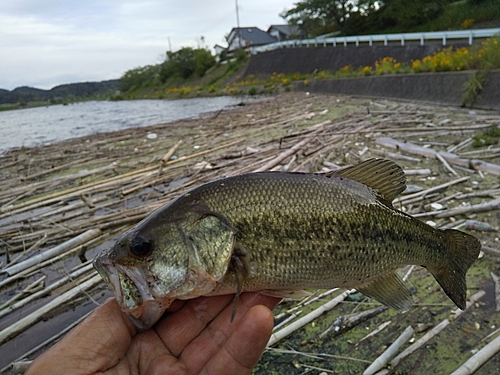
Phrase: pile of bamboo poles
(62, 203)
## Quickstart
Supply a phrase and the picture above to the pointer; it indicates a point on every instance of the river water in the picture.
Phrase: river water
(43, 125)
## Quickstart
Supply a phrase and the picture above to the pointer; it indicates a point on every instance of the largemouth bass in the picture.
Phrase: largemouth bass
(280, 233)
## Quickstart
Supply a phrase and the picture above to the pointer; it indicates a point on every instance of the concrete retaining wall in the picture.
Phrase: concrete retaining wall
(442, 88)
(306, 60)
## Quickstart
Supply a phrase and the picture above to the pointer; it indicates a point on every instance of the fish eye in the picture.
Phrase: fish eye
(140, 246)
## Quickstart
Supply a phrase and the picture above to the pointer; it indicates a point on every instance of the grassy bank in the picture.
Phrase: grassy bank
(230, 79)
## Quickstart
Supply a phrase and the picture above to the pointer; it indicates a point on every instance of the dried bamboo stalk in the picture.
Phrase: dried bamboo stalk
(78, 240)
(481, 207)
(375, 331)
(433, 332)
(281, 334)
(62, 281)
(390, 352)
(446, 165)
(46, 342)
(22, 324)
(479, 359)
(475, 164)
(287, 153)
(425, 192)
(496, 281)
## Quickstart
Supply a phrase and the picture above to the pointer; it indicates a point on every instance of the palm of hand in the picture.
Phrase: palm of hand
(195, 337)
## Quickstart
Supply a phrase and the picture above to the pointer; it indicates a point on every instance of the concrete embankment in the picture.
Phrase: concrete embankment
(439, 88)
(307, 60)
(444, 88)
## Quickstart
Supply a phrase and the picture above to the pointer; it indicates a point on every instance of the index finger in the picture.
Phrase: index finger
(178, 330)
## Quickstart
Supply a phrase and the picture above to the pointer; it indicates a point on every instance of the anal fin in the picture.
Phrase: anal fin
(390, 290)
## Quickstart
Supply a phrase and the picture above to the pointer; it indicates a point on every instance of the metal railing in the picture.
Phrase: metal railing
(442, 36)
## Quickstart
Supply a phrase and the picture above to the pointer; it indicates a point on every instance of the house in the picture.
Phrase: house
(219, 49)
(284, 32)
(248, 37)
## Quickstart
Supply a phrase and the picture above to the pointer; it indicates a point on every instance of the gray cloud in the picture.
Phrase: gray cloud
(44, 43)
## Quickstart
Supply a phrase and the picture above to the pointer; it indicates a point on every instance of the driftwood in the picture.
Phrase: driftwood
(120, 178)
(475, 164)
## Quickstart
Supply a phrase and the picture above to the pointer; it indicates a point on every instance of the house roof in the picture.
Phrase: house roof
(284, 29)
(254, 35)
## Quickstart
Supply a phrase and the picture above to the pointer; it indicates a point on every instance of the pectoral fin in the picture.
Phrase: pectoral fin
(241, 267)
(390, 290)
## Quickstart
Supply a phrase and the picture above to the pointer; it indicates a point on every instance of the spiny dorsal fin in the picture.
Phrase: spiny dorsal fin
(390, 290)
(382, 175)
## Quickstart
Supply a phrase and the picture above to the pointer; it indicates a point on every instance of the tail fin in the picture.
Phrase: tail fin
(464, 250)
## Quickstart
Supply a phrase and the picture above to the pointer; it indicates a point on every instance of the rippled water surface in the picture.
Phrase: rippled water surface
(41, 125)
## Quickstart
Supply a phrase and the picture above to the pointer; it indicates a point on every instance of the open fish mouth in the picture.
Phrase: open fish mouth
(132, 292)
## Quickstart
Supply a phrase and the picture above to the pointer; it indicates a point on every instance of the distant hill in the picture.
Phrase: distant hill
(25, 94)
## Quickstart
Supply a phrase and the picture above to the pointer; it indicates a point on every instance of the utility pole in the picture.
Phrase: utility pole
(238, 23)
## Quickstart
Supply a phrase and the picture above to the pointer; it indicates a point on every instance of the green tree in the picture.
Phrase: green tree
(186, 62)
(315, 17)
(404, 15)
(203, 60)
(134, 79)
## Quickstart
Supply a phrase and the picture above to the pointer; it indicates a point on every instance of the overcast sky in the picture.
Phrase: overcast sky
(44, 43)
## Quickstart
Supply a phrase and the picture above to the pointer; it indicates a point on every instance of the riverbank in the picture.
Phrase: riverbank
(83, 192)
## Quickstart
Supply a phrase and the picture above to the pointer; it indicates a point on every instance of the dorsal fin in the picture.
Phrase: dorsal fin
(382, 175)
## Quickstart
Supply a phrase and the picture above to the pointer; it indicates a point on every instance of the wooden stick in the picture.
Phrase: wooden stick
(391, 351)
(29, 320)
(446, 165)
(280, 335)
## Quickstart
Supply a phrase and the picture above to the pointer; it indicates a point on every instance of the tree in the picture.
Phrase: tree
(315, 17)
(186, 62)
(203, 60)
(405, 15)
(139, 77)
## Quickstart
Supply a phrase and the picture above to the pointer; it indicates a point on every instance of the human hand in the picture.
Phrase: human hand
(193, 337)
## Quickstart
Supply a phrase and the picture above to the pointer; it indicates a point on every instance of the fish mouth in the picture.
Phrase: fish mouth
(132, 292)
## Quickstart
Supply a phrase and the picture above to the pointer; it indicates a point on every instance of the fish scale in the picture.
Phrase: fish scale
(281, 232)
